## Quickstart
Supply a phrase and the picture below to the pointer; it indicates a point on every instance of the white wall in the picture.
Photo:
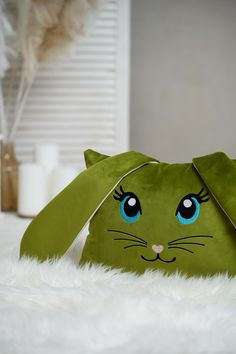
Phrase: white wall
(183, 77)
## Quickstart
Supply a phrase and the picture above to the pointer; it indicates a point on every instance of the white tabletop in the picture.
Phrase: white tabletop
(12, 229)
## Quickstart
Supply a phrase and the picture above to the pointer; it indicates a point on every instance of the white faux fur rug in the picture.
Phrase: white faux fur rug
(59, 308)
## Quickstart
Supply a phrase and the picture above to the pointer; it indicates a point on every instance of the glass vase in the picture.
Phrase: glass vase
(9, 178)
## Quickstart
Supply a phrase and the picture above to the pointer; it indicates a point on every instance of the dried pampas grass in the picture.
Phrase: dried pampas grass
(35, 17)
(47, 28)
(74, 20)
(6, 34)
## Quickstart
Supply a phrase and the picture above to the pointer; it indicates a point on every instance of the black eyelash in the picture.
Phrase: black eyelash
(202, 198)
(119, 196)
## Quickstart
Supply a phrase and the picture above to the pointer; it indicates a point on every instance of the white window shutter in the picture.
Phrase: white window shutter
(83, 102)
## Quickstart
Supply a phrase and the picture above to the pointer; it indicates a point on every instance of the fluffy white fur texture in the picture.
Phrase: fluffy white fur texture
(60, 308)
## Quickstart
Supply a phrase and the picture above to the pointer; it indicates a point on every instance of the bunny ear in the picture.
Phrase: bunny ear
(91, 157)
(218, 172)
(55, 228)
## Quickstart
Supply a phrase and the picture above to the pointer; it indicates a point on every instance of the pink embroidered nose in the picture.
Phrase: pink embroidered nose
(157, 248)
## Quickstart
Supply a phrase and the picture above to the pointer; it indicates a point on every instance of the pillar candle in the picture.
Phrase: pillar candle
(31, 189)
(47, 156)
(61, 177)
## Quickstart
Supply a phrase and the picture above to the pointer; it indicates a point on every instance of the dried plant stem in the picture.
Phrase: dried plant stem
(9, 89)
(2, 135)
(3, 125)
(1, 142)
(21, 89)
(23, 93)
(19, 110)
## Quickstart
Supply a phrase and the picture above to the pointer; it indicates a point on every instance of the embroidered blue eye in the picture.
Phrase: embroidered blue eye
(130, 208)
(189, 207)
(188, 210)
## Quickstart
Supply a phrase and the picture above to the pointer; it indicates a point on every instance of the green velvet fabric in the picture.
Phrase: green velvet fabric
(218, 172)
(145, 215)
(55, 228)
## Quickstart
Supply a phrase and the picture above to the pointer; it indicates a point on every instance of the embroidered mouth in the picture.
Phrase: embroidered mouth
(158, 258)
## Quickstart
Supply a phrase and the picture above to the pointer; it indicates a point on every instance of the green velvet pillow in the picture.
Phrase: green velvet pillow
(144, 214)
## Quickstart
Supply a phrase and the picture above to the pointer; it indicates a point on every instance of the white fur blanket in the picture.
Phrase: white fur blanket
(59, 308)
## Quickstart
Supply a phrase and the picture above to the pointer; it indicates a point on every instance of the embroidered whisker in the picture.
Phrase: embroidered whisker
(135, 246)
(127, 233)
(188, 243)
(128, 239)
(182, 248)
(194, 236)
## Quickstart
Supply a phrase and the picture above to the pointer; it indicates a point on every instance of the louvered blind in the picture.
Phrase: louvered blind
(82, 102)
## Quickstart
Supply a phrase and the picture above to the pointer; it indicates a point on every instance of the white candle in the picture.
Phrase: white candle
(47, 156)
(31, 189)
(61, 177)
